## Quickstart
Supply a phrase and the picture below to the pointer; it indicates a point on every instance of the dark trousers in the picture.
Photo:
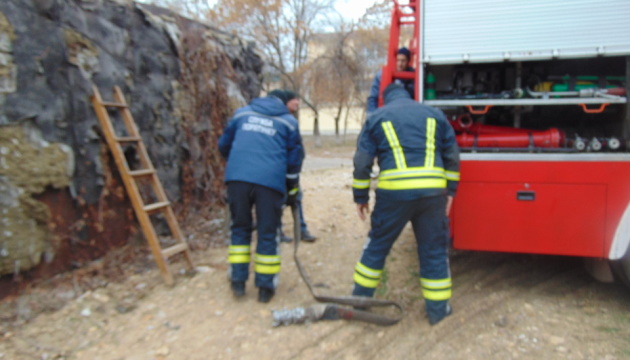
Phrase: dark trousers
(430, 226)
(242, 197)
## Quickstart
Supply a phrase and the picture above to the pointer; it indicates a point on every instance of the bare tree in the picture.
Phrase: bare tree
(333, 76)
(282, 30)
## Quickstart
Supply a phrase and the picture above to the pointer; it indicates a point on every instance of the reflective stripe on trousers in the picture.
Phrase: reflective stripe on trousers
(242, 197)
(431, 231)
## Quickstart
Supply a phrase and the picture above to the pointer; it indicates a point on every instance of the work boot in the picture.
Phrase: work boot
(284, 238)
(238, 288)
(435, 320)
(307, 236)
(265, 294)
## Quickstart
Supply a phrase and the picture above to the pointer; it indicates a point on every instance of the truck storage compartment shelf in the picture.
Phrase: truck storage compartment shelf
(524, 102)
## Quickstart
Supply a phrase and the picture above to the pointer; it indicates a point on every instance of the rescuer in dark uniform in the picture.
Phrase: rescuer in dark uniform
(419, 172)
(403, 56)
(263, 148)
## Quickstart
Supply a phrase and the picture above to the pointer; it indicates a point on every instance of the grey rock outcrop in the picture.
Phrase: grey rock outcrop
(61, 199)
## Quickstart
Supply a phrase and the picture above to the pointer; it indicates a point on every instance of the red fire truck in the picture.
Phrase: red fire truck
(536, 92)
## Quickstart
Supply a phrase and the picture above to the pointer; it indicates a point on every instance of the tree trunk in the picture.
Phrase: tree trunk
(318, 139)
(337, 118)
(345, 124)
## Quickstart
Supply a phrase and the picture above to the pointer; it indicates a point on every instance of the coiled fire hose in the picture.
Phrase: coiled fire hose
(330, 309)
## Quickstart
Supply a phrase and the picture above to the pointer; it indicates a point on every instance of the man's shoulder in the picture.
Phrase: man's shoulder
(242, 109)
(378, 75)
(290, 118)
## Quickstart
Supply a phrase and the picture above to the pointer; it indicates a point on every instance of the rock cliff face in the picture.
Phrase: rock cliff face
(61, 198)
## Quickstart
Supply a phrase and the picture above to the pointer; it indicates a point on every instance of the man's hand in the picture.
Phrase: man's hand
(362, 210)
(292, 196)
(449, 202)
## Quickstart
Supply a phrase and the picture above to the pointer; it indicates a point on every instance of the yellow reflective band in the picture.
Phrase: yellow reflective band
(412, 172)
(392, 139)
(429, 158)
(238, 259)
(412, 184)
(369, 272)
(294, 191)
(238, 254)
(452, 175)
(365, 281)
(360, 184)
(267, 269)
(436, 284)
(415, 168)
(436, 295)
(267, 264)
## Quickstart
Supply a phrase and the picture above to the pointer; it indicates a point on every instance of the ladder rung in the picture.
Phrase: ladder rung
(142, 172)
(128, 139)
(156, 206)
(175, 249)
(113, 104)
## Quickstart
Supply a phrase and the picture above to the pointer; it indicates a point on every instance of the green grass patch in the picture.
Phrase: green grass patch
(383, 284)
(608, 329)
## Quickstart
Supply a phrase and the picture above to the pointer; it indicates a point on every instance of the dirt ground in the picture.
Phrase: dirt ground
(506, 306)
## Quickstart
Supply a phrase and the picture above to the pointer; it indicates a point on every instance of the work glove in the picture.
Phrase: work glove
(292, 196)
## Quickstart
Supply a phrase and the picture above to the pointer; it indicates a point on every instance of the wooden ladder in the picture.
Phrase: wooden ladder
(130, 178)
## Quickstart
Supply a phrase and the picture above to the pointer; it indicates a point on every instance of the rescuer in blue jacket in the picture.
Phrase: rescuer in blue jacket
(263, 148)
(402, 64)
(419, 172)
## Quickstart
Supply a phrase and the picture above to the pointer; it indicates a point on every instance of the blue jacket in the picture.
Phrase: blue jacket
(372, 100)
(262, 145)
(416, 150)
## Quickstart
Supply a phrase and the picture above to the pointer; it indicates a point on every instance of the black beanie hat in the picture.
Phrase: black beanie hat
(405, 51)
(284, 95)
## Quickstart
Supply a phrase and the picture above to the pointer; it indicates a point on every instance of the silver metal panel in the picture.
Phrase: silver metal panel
(457, 31)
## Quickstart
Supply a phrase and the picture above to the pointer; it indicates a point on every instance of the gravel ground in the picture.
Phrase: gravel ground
(506, 306)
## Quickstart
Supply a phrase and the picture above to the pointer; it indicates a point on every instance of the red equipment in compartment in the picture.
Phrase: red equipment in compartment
(551, 138)
(471, 134)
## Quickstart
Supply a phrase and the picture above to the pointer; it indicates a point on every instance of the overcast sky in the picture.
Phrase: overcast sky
(353, 9)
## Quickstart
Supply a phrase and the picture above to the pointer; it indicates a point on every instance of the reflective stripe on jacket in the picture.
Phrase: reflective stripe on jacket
(416, 150)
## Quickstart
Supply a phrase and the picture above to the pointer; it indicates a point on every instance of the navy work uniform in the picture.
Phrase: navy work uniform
(419, 166)
(263, 148)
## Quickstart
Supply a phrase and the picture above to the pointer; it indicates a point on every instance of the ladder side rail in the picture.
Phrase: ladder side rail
(132, 129)
(130, 185)
(392, 48)
(417, 59)
(178, 235)
(156, 184)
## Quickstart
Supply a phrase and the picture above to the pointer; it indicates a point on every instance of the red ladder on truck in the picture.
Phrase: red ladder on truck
(402, 15)
(130, 178)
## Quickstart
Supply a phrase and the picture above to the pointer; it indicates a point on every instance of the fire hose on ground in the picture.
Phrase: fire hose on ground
(330, 308)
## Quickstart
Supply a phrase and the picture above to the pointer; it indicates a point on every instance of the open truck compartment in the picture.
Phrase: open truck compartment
(501, 68)
(537, 93)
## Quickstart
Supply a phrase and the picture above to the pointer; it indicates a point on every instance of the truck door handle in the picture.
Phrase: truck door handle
(525, 195)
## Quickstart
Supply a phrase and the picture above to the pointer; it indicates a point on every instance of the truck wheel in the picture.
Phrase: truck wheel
(621, 268)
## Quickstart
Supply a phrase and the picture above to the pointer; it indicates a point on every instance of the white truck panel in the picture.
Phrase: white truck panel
(457, 31)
